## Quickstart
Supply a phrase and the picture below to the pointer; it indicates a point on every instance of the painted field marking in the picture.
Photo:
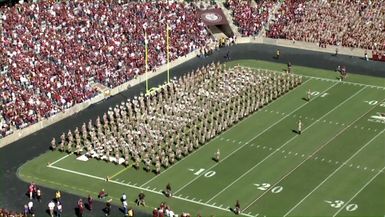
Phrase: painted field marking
(142, 189)
(359, 191)
(116, 174)
(253, 139)
(60, 159)
(325, 79)
(226, 131)
(287, 142)
(334, 172)
(316, 151)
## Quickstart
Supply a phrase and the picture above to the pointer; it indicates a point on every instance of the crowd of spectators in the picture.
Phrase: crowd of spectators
(250, 17)
(350, 23)
(54, 51)
(8, 213)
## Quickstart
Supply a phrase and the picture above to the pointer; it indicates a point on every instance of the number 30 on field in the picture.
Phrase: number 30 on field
(339, 203)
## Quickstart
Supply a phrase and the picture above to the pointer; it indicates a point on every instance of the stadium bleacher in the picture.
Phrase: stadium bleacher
(54, 50)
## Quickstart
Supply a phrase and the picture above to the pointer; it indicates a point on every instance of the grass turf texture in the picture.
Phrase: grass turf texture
(335, 168)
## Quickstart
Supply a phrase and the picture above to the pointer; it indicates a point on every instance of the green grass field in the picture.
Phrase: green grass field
(335, 168)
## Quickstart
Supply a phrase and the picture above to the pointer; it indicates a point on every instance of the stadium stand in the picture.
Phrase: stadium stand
(54, 52)
(357, 24)
(250, 18)
(8, 213)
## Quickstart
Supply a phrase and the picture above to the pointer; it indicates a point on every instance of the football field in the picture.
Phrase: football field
(335, 167)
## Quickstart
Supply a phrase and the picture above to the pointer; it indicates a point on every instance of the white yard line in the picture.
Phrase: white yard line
(355, 195)
(252, 139)
(228, 130)
(310, 156)
(335, 171)
(323, 79)
(143, 189)
(60, 159)
(287, 142)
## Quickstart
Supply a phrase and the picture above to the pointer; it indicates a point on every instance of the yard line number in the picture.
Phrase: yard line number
(205, 173)
(339, 203)
(316, 93)
(266, 186)
(375, 102)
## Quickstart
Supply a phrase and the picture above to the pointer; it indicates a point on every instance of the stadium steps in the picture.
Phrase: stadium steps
(229, 17)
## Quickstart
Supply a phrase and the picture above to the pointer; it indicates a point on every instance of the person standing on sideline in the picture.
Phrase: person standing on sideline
(51, 207)
(277, 53)
(26, 210)
(30, 206)
(80, 207)
(90, 201)
(30, 191)
(107, 209)
(38, 194)
(57, 195)
(299, 131)
(124, 197)
(237, 208)
(125, 210)
(168, 190)
(59, 209)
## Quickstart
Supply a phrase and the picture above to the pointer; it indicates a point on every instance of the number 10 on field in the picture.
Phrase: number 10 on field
(203, 172)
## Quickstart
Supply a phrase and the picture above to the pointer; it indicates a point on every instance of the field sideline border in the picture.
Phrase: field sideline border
(199, 202)
(309, 157)
(227, 209)
(319, 78)
(288, 141)
(256, 137)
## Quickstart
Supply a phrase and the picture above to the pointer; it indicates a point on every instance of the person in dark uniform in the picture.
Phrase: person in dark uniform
(237, 208)
(277, 54)
(168, 190)
(107, 209)
(140, 200)
(289, 67)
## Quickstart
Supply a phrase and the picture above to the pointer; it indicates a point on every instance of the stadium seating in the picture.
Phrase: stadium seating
(8, 213)
(55, 51)
(356, 24)
(250, 19)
